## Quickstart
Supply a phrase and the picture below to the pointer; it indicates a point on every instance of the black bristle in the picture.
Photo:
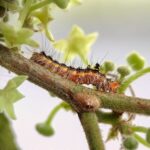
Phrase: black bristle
(96, 66)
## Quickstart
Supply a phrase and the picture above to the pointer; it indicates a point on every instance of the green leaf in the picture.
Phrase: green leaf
(9, 95)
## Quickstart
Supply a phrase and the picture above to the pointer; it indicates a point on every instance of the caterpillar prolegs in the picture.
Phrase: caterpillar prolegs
(77, 75)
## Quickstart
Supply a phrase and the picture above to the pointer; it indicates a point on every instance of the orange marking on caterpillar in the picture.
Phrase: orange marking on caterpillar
(79, 76)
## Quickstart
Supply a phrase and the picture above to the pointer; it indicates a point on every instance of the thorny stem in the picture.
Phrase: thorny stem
(90, 125)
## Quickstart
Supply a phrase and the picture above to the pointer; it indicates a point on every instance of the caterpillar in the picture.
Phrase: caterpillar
(77, 75)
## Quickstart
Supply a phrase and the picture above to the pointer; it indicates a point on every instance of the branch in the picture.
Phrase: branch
(90, 125)
(63, 88)
(7, 138)
(81, 98)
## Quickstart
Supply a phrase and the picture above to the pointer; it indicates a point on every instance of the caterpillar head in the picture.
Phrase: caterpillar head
(114, 85)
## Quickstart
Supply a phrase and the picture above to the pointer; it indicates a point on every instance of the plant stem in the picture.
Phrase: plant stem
(139, 129)
(132, 78)
(53, 113)
(48, 34)
(7, 138)
(90, 125)
(107, 117)
(40, 5)
(25, 12)
(122, 103)
(79, 97)
(141, 140)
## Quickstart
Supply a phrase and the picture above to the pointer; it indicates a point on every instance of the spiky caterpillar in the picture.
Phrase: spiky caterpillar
(77, 75)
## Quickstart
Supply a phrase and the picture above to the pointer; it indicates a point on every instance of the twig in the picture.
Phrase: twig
(80, 97)
(92, 131)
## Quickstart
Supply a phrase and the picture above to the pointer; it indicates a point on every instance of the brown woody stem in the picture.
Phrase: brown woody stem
(80, 97)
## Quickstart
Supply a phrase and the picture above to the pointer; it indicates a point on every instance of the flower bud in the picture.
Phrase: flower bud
(44, 129)
(130, 143)
(136, 61)
(123, 71)
(108, 66)
(61, 3)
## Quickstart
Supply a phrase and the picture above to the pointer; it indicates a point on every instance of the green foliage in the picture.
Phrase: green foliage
(130, 143)
(35, 15)
(136, 61)
(15, 37)
(44, 16)
(76, 44)
(9, 95)
(45, 128)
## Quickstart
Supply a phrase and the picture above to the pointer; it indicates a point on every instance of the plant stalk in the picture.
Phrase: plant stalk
(90, 125)
(40, 5)
(132, 78)
(7, 138)
(79, 97)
